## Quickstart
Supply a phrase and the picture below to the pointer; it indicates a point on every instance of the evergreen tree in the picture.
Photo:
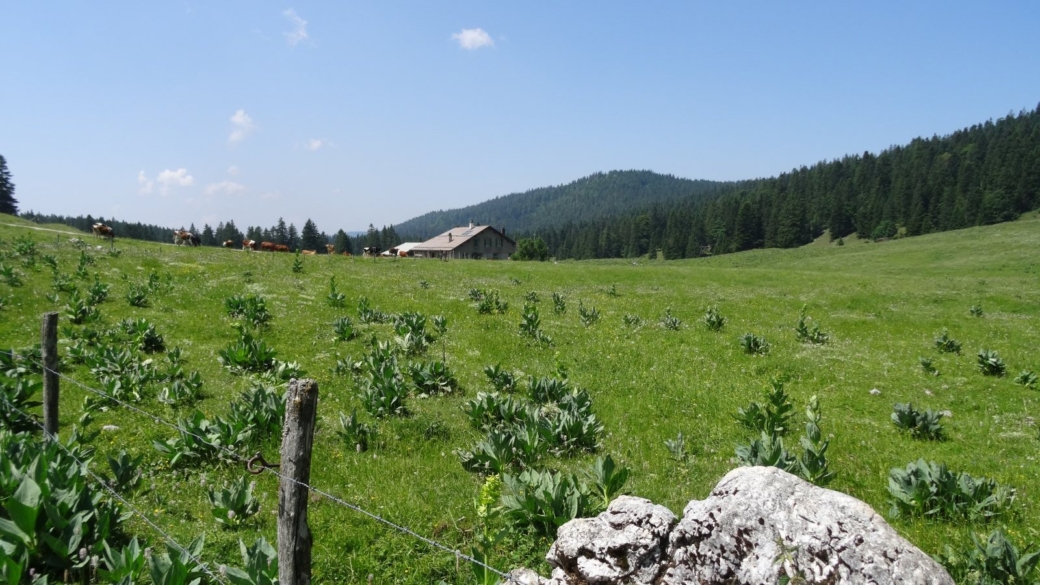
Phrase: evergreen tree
(207, 238)
(310, 239)
(372, 239)
(280, 233)
(746, 236)
(8, 204)
(255, 233)
(293, 238)
(342, 242)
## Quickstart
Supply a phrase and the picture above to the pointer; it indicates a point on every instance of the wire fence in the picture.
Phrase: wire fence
(247, 461)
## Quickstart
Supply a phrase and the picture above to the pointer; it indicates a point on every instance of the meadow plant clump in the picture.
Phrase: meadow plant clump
(753, 344)
(946, 344)
(925, 424)
(250, 308)
(806, 334)
(930, 490)
(559, 303)
(992, 560)
(713, 320)
(589, 315)
(670, 322)
(991, 364)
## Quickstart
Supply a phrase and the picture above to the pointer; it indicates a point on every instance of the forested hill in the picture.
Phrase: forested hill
(594, 197)
(984, 174)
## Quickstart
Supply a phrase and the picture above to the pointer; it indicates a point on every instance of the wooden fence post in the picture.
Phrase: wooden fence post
(49, 353)
(294, 535)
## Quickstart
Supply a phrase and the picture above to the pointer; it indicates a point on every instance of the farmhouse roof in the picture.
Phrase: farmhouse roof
(458, 236)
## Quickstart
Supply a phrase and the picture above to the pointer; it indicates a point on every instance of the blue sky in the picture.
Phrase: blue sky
(352, 113)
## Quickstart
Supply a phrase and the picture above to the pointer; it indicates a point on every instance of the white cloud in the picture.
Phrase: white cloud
(299, 32)
(315, 143)
(243, 127)
(233, 171)
(472, 39)
(225, 187)
(169, 179)
(144, 184)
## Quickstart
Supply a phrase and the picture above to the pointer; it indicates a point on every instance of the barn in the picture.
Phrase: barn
(476, 242)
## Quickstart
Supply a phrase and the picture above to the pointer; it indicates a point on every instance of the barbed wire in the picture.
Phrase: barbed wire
(109, 489)
(402, 529)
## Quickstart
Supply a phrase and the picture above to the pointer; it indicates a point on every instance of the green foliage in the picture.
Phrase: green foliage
(490, 411)
(123, 567)
(501, 380)
(344, 328)
(489, 303)
(772, 421)
(178, 566)
(990, 364)
(367, 314)
(925, 425)
(126, 471)
(233, 504)
(182, 391)
(260, 565)
(670, 322)
(976, 311)
(927, 366)
(530, 325)
(631, 320)
(995, 561)
(354, 433)
(412, 336)
(79, 310)
(382, 387)
(142, 335)
(252, 309)
(432, 378)
(335, 299)
(97, 293)
(589, 315)
(753, 344)
(531, 249)
(62, 283)
(297, 265)
(677, 448)
(930, 490)
(613, 291)
(606, 480)
(10, 276)
(773, 418)
(767, 451)
(247, 354)
(261, 409)
(559, 303)
(946, 344)
(17, 392)
(813, 462)
(137, 295)
(713, 320)
(807, 334)
(532, 297)
(1027, 378)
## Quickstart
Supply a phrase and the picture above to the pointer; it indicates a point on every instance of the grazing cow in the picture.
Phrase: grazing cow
(267, 246)
(101, 230)
(229, 243)
(182, 237)
(309, 252)
(281, 248)
(329, 248)
(372, 251)
(250, 245)
(402, 254)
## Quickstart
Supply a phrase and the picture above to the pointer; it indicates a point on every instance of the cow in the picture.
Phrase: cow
(266, 246)
(402, 254)
(330, 249)
(250, 245)
(182, 237)
(309, 252)
(228, 243)
(372, 251)
(281, 248)
(101, 230)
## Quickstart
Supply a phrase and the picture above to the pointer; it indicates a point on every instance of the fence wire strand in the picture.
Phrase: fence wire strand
(358, 509)
(115, 494)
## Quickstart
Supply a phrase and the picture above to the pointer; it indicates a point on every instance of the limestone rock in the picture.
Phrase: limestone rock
(760, 523)
(625, 544)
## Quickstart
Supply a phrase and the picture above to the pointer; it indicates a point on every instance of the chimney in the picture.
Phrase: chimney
(471, 224)
(449, 237)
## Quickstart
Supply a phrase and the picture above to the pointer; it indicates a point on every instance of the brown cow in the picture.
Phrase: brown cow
(330, 248)
(182, 237)
(281, 248)
(101, 230)
(250, 245)
(267, 246)
(229, 243)
(309, 252)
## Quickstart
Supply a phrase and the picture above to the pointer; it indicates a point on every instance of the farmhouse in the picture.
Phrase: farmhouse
(474, 242)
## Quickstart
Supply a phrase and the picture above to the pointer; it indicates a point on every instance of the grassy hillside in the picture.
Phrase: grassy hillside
(881, 303)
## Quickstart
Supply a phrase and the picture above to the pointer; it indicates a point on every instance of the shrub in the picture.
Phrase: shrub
(925, 425)
(773, 418)
(713, 320)
(975, 311)
(489, 303)
(990, 364)
(184, 391)
(946, 344)
(137, 295)
(1026, 378)
(354, 433)
(606, 480)
(433, 378)
(807, 334)
(670, 322)
(995, 561)
(247, 354)
(501, 380)
(97, 293)
(17, 394)
(927, 366)
(344, 328)
(233, 504)
(546, 389)
(79, 310)
(754, 345)
(929, 489)
(589, 315)
(251, 308)
(503, 449)
(631, 320)
(559, 303)
(335, 298)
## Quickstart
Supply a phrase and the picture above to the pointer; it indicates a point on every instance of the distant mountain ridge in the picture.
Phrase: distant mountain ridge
(590, 198)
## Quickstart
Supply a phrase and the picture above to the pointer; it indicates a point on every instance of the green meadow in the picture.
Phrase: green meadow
(881, 304)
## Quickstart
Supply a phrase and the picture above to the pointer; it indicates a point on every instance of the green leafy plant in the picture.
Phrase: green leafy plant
(126, 471)
(143, 336)
(606, 481)
(542, 501)
(354, 433)
(677, 448)
(530, 325)
(62, 283)
(97, 293)
(344, 328)
(335, 298)
(234, 503)
(713, 320)
(997, 560)
(259, 564)
(929, 489)
(927, 366)
(297, 265)
(412, 336)
(123, 567)
(925, 425)
(774, 417)
(631, 320)
(1027, 378)
(424, 284)
(182, 391)
(247, 354)
(501, 380)
(976, 311)
(137, 295)
(532, 297)
(612, 291)
(813, 461)
(261, 409)
(559, 303)
(588, 315)
(178, 566)
(432, 378)
(251, 308)
(768, 451)
(670, 322)
(807, 334)
(753, 344)
(946, 344)
(489, 303)
(79, 310)
(9, 275)
(990, 364)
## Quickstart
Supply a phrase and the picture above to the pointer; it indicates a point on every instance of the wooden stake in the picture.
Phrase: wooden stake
(294, 535)
(49, 353)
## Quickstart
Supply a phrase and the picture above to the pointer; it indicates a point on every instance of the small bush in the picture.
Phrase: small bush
(946, 344)
(1026, 378)
(930, 490)
(251, 308)
(990, 364)
(354, 433)
(97, 293)
(995, 561)
(79, 310)
(137, 295)
(925, 425)
(542, 501)
(489, 303)
(433, 378)
(530, 325)
(247, 354)
(335, 298)
(713, 320)
(753, 344)
(670, 322)
(233, 504)
(589, 315)
(559, 303)
(344, 328)
(807, 334)
(976, 311)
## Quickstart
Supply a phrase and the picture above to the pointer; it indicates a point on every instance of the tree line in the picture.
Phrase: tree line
(984, 174)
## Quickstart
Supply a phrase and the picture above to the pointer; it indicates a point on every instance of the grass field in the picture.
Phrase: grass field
(881, 303)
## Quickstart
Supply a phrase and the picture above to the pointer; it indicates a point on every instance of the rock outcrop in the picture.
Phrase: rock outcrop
(758, 525)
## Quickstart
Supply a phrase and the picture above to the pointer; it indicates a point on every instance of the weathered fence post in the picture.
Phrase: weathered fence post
(49, 353)
(294, 535)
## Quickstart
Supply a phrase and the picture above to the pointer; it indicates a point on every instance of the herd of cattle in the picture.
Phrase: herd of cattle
(186, 238)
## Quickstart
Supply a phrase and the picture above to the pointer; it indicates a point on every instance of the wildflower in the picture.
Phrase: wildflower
(875, 392)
